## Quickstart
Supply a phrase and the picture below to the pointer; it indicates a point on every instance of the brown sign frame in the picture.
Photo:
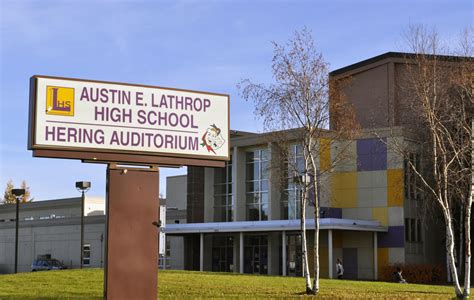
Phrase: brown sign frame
(120, 156)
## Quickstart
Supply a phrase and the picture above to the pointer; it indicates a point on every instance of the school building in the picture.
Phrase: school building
(245, 217)
(53, 228)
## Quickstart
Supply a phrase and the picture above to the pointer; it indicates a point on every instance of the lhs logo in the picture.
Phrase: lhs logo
(59, 101)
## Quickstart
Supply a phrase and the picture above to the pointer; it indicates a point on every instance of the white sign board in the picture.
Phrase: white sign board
(83, 115)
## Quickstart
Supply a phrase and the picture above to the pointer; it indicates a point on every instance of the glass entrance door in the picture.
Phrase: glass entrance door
(294, 257)
(256, 254)
(222, 253)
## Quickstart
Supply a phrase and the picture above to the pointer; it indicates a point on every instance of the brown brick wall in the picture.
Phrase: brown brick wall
(195, 195)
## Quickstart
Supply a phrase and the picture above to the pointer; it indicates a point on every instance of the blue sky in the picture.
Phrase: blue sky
(199, 45)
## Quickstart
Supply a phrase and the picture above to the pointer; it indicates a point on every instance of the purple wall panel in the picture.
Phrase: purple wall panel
(331, 212)
(379, 161)
(395, 237)
(364, 146)
(349, 262)
(364, 162)
(380, 145)
(371, 154)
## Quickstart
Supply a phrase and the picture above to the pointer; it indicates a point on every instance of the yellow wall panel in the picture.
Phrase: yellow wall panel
(380, 214)
(349, 198)
(323, 262)
(395, 187)
(344, 180)
(337, 239)
(344, 189)
(336, 198)
(324, 154)
(382, 259)
(323, 257)
(336, 181)
(348, 180)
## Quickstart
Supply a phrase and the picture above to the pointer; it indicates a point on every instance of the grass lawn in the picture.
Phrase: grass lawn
(88, 284)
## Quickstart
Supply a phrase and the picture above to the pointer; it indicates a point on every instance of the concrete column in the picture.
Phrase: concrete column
(283, 251)
(375, 257)
(241, 253)
(208, 195)
(238, 184)
(273, 267)
(273, 183)
(330, 265)
(201, 252)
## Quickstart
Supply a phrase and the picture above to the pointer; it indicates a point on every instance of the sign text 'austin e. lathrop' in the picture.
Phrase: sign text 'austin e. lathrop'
(87, 115)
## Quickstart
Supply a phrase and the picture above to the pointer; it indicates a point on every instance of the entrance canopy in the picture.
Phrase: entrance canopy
(273, 225)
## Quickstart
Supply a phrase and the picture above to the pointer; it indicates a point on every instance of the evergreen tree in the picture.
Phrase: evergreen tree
(9, 198)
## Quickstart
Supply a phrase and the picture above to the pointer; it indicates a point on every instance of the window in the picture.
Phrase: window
(86, 255)
(223, 206)
(413, 230)
(411, 178)
(257, 170)
(419, 235)
(291, 195)
(407, 230)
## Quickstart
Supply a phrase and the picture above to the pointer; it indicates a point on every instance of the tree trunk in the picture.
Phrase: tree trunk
(316, 245)
(467, 252)
(461, 239)
(316, 231)
(450, 252)
(467, 224)
(304, 245)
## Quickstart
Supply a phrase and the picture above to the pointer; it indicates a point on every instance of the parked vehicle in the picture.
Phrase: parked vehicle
(46, 265)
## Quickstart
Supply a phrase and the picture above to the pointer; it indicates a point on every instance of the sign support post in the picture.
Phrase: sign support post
(131, 249)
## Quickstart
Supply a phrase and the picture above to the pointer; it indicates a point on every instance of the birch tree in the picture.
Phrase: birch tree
(299, 99)
(441, 90)
(464, 83)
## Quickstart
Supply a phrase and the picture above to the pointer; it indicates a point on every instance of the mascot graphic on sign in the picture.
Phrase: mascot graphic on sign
(212, 139)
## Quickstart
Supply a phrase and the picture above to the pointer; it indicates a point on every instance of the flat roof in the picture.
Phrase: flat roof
(273, 225)
(404, 55)
(42, 204)
(54, 222)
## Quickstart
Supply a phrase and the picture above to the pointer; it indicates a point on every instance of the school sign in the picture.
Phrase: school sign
(120, 124)
(106, 117)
